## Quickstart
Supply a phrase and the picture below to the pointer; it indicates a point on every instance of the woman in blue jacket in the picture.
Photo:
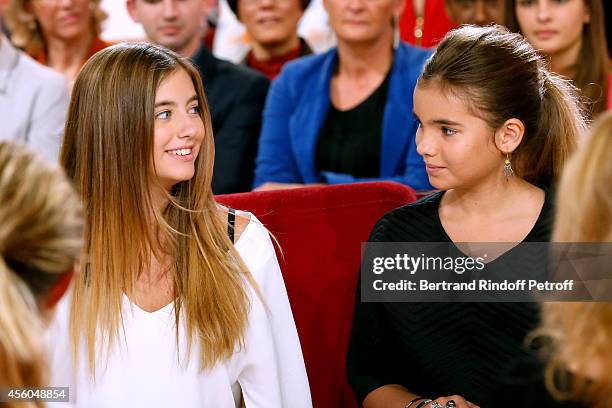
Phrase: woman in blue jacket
(346, 115)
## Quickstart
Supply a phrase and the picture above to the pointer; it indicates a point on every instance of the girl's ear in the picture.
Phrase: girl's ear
(509, 135)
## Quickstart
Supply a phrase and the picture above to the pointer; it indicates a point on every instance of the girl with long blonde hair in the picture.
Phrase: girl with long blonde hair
(40, 242)
(170, 310)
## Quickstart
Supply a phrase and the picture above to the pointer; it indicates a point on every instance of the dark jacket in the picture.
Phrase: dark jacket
(298, 104)
(236, 96)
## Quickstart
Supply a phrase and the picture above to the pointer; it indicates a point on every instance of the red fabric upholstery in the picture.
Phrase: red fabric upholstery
(320, 231)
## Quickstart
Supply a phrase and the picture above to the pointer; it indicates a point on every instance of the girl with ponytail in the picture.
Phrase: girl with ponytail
(495, 129)
(40, 241)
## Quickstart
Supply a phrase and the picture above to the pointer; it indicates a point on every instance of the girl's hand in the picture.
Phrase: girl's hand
(460, 402)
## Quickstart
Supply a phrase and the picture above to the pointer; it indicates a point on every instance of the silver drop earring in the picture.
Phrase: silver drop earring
(508, 172)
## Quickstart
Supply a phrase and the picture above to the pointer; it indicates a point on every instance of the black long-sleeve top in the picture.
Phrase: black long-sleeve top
(437, 349)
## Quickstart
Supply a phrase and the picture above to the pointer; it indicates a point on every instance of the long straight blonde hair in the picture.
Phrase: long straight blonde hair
(40, 239)
(107, 152)
(582, 332)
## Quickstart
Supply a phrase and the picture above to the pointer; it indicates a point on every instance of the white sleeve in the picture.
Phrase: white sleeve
(272, 361)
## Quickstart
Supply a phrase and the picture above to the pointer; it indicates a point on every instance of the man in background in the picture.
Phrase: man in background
(236, 95)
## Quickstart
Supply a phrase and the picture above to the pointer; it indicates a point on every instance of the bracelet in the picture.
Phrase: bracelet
(422, 404)
(414, 400)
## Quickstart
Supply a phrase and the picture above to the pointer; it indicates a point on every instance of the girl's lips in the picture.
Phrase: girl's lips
(433, 169)
(186, 158)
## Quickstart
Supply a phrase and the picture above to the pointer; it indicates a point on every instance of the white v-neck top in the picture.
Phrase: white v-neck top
(146, 370)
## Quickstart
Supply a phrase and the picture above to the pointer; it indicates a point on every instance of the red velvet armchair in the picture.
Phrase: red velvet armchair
(320, 231)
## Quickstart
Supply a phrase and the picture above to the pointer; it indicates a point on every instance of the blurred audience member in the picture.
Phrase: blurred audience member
(232, 42)
(33, 101)
(424, 22)
(479, 12)
(582, 332)
(572, 34)
(580, 359)
(346, 115)
(40, 242)
(272, 28)
(61, 34)
(236, 94)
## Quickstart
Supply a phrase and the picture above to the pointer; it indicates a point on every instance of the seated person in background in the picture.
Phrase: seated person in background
(345, 115)
(191, 308)
(272, 28)
(33, 101)
(59, 34)
(580, 360)
(232, 42)
(572, 35)
(479, 12)
(493, 149)
(236, 94)
(40, 242)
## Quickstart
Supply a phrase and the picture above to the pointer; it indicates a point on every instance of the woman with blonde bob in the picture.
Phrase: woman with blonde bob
(580, 361)
(40, 242)
(61, 34)
(177, 304)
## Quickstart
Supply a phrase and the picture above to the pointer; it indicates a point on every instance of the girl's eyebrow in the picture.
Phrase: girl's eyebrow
(163, 103)
(171, 103)
(444, 122)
